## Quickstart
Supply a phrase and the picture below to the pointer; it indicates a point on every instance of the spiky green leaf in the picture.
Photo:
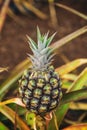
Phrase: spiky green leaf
(50, 39)
(32, 44)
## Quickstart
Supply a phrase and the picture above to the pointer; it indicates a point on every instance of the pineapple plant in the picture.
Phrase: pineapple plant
(40, 86)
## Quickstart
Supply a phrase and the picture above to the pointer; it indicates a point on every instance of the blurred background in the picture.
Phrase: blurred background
(22, 17)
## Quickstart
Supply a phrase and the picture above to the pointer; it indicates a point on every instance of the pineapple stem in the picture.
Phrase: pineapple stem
(55, 121)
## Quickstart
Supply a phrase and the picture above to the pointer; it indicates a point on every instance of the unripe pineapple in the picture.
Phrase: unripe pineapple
(40, 89)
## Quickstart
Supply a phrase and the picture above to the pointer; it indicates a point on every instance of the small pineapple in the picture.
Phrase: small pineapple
(40, 89)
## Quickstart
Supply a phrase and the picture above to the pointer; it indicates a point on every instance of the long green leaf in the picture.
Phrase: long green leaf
(72, 10)
(10, 114)
(69, 76)
(3, 14)
(69, 38)
(3, 127)
(66, 84)
(73, 96)
(3, 69)
(78, 106)
(59, 115)
(64, 69)
(78, 84)
(16, 73)
(36, 11)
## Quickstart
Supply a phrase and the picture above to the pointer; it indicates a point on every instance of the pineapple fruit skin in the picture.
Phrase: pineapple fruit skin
(40, 91)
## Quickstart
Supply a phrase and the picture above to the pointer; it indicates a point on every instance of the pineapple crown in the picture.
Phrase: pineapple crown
(42, 53)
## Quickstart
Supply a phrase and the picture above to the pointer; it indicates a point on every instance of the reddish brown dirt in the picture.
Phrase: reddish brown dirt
(13, 41)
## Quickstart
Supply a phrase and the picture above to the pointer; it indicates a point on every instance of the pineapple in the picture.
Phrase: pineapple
(40, 88)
